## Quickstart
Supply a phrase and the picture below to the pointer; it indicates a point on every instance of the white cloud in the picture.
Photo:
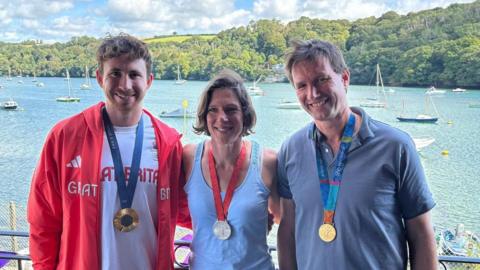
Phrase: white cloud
(284, 10)
(163, 17)
(62, 19)
(340, 9)
(343, 9)
(31, 23)
(39, 8)
(9, 36)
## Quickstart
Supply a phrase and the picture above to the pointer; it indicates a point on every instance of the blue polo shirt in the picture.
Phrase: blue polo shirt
(383, 184)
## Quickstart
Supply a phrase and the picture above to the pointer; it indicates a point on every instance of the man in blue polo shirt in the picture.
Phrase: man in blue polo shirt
(353, 191)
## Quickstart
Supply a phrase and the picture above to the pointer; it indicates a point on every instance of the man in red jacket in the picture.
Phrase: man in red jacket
(106, 193)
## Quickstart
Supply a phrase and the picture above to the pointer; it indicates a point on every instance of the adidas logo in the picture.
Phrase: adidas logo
(75, 163)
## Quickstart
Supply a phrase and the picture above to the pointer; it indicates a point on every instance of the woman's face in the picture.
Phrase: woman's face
(225, 116)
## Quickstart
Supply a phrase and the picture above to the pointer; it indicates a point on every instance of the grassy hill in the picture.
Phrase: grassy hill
(178, 38)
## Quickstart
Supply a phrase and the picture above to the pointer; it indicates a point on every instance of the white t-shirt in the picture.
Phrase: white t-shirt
(136, 249)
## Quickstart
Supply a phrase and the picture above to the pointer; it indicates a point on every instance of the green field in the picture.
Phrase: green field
(177, 38)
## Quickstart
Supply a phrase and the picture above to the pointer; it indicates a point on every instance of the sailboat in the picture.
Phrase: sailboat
(255, 90)
(9, 78)
(421, 118)
(179, 77)
(34, 77)
(87, 84)
(68, 98)
(434, 91)
(375, 102)
(37, 83)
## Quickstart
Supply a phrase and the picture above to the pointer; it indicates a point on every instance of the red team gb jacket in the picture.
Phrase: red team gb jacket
(64, 205)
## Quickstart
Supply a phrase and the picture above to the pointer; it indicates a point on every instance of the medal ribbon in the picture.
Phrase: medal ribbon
(329, 188)
(222, 208)
(125, 193)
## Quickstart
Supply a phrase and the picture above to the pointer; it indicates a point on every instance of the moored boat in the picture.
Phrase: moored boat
(178, 113)
(289, 105)
(10, 105)
(421, 118)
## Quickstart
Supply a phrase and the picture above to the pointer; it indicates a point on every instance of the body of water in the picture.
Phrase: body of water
(454, 178)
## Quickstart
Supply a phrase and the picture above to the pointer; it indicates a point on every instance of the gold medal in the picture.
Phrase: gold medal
(327, 232)
(125, 220)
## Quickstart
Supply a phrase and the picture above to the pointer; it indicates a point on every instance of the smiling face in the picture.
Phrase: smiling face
(125, 83)
(320, 90)
(225, 116)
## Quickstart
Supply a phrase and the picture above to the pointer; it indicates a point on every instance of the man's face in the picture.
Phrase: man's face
(320, 90)
(124, 82)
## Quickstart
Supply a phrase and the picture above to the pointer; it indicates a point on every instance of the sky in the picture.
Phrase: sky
(60, 20)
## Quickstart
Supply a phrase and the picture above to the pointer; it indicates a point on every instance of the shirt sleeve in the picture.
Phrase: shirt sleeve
(44, 210)
(283, 186)
(414, 194)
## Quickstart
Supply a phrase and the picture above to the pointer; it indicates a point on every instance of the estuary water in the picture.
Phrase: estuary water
(453, 178)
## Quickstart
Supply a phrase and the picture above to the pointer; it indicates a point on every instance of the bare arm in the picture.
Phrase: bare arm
(286, 236)
(421, 242)
(269, 176)
(188, 155)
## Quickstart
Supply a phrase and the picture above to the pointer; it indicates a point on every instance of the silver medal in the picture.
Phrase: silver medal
(222, 230)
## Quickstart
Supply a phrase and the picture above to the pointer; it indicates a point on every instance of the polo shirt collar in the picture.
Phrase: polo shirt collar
(360, 138)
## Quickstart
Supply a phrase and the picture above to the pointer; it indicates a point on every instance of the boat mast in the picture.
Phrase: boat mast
(380, 80)
(87, 77)
(69, 85)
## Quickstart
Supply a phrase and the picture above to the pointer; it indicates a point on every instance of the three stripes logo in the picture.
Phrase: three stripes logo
(75, 163)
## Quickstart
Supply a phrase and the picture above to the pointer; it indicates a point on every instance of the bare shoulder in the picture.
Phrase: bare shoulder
(269, 158)
(187, 158)
(189, 151)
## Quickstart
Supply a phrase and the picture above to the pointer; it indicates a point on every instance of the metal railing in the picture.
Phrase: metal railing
(13, 255)
(447, 262)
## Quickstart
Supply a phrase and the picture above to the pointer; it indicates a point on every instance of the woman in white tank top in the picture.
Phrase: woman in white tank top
(231, 182)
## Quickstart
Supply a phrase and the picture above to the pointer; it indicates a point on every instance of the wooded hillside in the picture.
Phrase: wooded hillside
(438, 47)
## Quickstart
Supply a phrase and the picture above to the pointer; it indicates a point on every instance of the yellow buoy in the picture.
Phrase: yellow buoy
(450, 122)
(445, 152)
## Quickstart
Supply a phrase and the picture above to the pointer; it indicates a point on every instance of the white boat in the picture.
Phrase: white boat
(179, 79)
(422, 142)
(177, 113)
(255, 90)
(10, 105)
(434, 91)
(87, 84)
(375, 102)
(289, 105)
(459, 90)
(70, 97)
(40, 84)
